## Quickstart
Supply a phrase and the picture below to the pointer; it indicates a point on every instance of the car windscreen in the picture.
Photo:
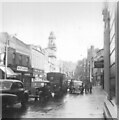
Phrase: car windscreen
(5, 84)
(78, 83)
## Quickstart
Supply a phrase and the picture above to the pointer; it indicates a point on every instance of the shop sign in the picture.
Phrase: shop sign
(21, 68)
(35, 70)
(27, 74)
(99, 64)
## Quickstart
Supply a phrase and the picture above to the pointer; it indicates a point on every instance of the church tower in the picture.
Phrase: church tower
(52, 46)
(52, 53)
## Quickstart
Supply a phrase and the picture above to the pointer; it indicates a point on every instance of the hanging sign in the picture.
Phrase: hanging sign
(99, 64)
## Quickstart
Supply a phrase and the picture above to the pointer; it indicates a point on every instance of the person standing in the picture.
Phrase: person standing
(90, 87)
(71, 86)
(82, 88)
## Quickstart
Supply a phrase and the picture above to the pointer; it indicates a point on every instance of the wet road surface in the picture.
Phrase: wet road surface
(69, 106)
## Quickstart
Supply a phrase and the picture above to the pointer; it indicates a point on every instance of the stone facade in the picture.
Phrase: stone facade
(111, 58)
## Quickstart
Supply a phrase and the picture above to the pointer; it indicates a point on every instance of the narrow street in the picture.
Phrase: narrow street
(70, 106)
(59, 49)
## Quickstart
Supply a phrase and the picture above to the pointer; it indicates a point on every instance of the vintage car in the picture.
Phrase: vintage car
(40, 90)
(76, 86)
(12, 92)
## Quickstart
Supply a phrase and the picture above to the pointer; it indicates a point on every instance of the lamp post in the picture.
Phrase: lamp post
(89, 70)
(6, 53)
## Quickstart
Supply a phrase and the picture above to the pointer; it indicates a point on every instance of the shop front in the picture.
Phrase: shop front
(8, 71)
(38, 74)
(24, 74)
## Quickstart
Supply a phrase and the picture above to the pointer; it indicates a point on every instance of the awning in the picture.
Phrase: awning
(9, 71)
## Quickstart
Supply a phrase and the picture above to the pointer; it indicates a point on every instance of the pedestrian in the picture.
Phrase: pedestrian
(90, 87)
(86, 88)
(82, 88)
(71, 86)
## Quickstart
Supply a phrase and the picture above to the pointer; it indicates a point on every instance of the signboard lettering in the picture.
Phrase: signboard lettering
(21, 68)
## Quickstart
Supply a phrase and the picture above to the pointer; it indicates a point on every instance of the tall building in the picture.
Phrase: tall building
(111, 58)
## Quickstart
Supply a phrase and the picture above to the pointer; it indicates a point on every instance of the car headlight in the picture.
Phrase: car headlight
(53, 94)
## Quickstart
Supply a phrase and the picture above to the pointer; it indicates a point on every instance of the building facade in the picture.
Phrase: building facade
(91, 52)
(17, 59)
(67, 68)
(111, 58)
(81, 70)
(37, 56)
(98, 72)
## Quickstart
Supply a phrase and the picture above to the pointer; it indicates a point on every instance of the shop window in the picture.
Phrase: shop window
(112, 71)
(13, 58)
(17, 58)
(112, 57)
(27, 61)
(112, 43)
(24, 60)
(20, 59)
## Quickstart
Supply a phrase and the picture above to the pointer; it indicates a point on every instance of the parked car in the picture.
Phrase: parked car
(40, 90)
(76, 86)
(12, 92)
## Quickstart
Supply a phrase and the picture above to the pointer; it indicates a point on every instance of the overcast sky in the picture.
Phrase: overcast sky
(76, 25)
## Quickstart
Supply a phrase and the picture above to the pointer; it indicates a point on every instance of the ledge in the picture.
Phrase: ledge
(110, 110)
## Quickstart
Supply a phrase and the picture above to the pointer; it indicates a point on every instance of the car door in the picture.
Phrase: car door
(20, 90)
(17, 88)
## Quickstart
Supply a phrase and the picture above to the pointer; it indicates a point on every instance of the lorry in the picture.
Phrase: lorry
(58, 83)
(39, 90)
